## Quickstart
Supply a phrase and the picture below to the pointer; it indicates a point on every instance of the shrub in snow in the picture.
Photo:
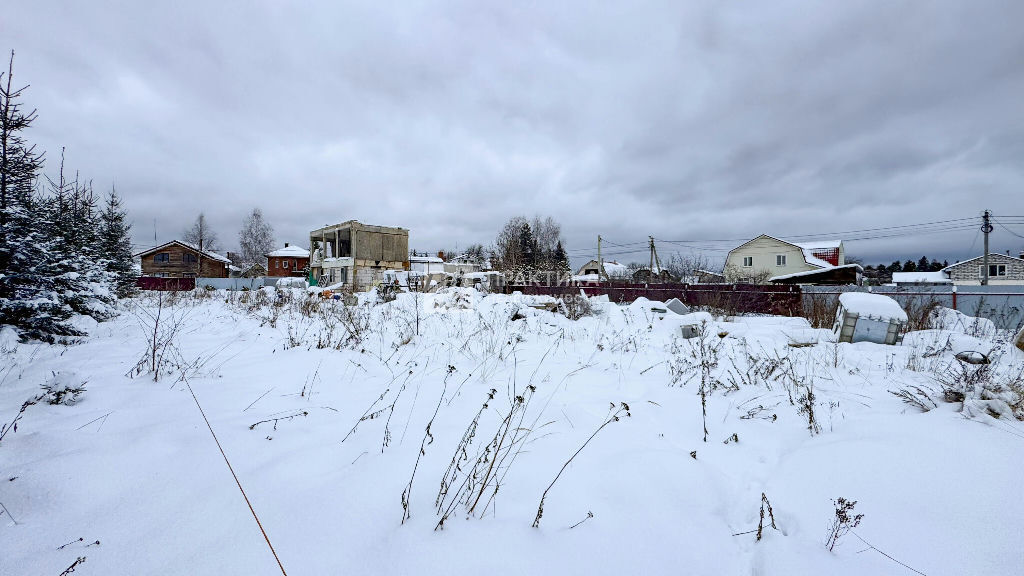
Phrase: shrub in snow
(63, 388)
(698, 356)
(771, 516)
(12, 426)
(843, 522)
(574, 306)
(941, 318)
(161, 320)
(614, 415)
(995, 389)
(466, 487)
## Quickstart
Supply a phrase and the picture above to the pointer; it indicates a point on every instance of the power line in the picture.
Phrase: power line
(1007, 229)
(843, 233)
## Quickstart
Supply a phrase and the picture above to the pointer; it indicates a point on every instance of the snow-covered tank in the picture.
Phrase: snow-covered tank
(863, 317)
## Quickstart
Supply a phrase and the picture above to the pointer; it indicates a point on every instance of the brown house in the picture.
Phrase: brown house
(177, 259)
(288, 261)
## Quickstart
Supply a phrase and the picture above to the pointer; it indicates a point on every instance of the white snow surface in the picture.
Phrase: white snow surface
(920, 277)
(133, 465)
(873, 305)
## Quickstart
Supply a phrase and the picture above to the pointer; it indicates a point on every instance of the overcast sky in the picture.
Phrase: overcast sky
(714, 120)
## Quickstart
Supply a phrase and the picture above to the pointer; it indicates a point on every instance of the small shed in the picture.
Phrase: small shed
(864, 317)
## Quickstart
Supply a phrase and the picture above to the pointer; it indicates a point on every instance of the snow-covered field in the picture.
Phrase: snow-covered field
(375, 440)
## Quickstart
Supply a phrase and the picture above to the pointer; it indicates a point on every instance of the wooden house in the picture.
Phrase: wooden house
(177, 259)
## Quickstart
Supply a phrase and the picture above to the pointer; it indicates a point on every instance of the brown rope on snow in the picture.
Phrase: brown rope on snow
(226, 461)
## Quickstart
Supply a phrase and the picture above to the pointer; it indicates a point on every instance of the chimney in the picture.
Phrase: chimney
(285, 244)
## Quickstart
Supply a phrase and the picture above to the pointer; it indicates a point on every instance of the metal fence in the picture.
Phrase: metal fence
(237, 283)
(165, 284)
(1003, 305)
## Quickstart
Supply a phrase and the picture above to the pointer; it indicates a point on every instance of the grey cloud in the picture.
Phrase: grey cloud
(697, 121)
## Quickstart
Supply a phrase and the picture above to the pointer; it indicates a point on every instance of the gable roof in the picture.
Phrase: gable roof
(806, 249)
(192, 247)
(981, 258)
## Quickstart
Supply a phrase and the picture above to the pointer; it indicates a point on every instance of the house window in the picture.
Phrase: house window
(286, 264)
(780, 259)
(162, 257)
(189, 258)
(748, 261)
(277, 263)
(993, 270)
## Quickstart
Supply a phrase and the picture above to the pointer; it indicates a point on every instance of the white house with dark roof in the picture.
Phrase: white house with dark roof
(768, 257)
(1002, 269)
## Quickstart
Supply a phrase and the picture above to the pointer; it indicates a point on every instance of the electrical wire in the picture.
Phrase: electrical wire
(1004, 227)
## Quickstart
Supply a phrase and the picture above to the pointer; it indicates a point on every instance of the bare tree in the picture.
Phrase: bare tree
(507, 252)
(546, 232)
(256, 238)
(686, 268)
(202, 237)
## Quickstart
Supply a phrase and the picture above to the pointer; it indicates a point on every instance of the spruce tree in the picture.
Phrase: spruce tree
(561, 260)
(527, 252)
(116, 246)
(30, 296)
(79, 270)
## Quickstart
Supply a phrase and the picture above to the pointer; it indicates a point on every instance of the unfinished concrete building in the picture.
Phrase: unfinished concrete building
(356, 253)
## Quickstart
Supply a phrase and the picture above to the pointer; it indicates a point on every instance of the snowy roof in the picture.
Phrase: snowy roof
(920, 277)
(434, 259)
(289, 252)
(613, 268)
(490, 273)
(808, 248)
(820, 245)
(872, 305)
(813, 272)
(193, 247)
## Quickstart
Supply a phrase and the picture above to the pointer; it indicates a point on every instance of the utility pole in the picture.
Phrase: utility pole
(650, 268)
(600, 262)
(986, 227)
